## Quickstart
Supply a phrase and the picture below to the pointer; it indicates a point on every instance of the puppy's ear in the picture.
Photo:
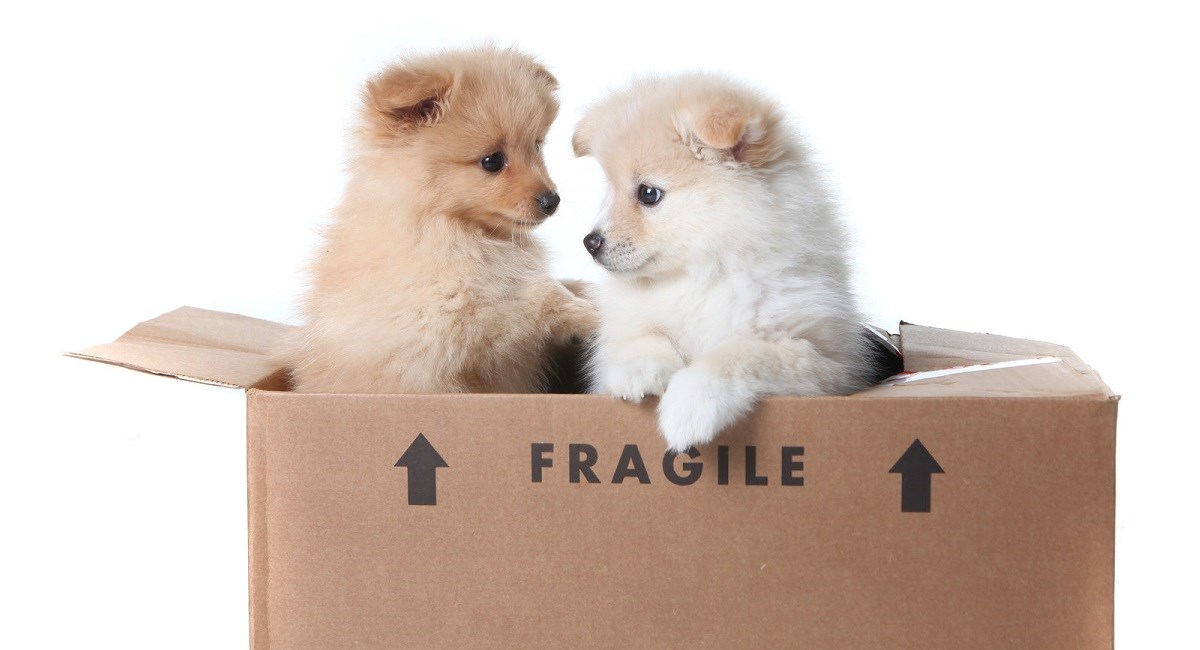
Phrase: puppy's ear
(581, 142)
(403, 97)
(729, 128)
(541, 73)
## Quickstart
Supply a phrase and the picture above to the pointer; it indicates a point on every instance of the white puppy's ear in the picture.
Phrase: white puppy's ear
(581, 142)
(402, 97)
(727, 128)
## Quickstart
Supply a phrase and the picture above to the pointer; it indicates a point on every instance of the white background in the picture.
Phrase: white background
(1028, 170)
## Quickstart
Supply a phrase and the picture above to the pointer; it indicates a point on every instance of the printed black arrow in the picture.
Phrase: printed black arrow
(422, 461)
(916, 468)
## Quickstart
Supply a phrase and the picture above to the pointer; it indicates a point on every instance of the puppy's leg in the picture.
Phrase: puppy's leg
(722, 386)
(572, 318)
(585, 290)
(573, 321)
(637, 366)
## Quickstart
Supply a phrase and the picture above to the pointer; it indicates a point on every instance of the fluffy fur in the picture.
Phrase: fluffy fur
(735, 284)
(428, 280)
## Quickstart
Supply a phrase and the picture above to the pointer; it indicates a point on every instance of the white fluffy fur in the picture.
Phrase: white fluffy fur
(735, 285)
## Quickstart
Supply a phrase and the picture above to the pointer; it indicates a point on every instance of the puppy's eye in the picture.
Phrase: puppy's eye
(493, 162)
(648, 195)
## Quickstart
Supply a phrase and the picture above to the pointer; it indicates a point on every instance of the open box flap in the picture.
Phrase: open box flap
(949, 363)
(199, 345)
(232, 350)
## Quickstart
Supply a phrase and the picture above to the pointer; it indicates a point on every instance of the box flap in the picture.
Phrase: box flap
(224, 349)
(199, 345)
(949, 363)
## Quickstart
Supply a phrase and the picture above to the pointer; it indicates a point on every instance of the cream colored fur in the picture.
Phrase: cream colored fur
(427, 279)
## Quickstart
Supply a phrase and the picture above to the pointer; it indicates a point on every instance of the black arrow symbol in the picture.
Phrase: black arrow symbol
(916, 468)
(422, 461)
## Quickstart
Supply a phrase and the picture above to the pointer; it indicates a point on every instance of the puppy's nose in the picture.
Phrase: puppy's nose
(593, 243)
(548, 202)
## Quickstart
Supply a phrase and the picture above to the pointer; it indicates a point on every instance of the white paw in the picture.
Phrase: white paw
(694, 409)
(634, 380)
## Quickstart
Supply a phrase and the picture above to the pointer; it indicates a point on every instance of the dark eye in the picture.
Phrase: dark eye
(493, 162)
(648, 195)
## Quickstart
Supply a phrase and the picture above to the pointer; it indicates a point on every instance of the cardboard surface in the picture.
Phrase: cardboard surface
(198, 345)
(931, 348)
(969, 504)
(1016, 551)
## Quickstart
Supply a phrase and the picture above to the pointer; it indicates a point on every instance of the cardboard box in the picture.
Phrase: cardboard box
(962, 508)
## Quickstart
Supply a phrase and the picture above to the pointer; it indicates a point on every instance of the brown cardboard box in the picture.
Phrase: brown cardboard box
(971, 508)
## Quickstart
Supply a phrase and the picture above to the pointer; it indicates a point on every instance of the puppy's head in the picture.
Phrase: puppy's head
(687, 160)
(466, 129)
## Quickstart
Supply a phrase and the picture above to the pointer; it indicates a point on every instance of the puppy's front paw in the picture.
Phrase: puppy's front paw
(697, 406)
(634, 380)
(581, 320)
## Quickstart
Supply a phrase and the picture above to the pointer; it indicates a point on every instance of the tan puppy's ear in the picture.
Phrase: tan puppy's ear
(540, 72)
(727, 128)
(403, 97)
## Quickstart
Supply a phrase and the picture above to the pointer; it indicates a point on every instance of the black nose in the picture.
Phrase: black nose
(593, 243)
(548, 202)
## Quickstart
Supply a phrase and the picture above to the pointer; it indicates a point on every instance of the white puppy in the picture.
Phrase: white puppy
(728, 267)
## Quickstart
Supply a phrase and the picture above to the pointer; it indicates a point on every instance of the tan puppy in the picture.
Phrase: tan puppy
(428, 280)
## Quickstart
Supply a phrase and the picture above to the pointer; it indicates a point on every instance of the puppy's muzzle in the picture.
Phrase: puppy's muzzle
(593, 243)
(548, 202)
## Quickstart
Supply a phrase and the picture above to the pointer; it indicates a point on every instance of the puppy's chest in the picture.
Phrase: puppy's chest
(492, 299)
(701, 316)
(497, 283)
